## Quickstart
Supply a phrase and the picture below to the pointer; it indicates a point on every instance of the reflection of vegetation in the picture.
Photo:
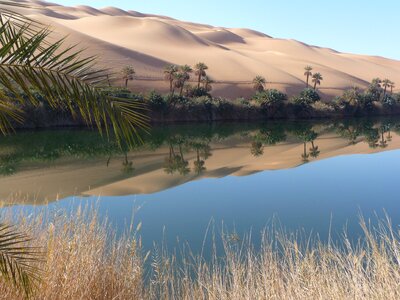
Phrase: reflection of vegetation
(314, 150)
(257, 148)
(268, 135)
(189, 146)
(306, 134)
(350, 131)
(127, 165)
(203, 152)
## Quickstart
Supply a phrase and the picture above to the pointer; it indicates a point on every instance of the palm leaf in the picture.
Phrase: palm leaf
(65, 80)
(18, 260)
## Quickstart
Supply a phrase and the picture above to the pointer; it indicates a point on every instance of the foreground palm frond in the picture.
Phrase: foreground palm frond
(29, 62)
(18, 261)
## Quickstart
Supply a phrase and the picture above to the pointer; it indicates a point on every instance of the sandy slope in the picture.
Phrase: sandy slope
(234, 55)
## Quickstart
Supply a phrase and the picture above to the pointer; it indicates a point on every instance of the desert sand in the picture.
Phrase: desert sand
(234, 55)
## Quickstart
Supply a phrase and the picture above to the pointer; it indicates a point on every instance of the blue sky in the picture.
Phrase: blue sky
(356, 26)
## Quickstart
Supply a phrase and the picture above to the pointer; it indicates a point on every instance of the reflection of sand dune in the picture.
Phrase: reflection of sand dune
(230, 157)
(149, 42)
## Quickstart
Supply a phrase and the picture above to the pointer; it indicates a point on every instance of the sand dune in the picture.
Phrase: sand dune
(234, 55)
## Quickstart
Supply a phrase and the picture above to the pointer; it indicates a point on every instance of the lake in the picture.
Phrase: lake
(317, 177)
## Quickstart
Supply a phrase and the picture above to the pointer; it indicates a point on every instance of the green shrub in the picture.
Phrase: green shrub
(156, 102)
(194, 92)
(311, 95)
(270, 97)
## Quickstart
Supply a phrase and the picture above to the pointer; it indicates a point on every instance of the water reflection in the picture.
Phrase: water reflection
(42, 165)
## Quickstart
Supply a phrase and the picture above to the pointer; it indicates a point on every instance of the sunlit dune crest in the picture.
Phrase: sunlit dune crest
(234, 55)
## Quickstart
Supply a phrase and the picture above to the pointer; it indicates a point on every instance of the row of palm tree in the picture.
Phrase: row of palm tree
(316, 78)
(259, 81)
(178, 76)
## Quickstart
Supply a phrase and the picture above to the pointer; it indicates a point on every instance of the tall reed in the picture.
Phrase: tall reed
(85, 259)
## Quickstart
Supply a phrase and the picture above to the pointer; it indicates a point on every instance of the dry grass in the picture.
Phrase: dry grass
(84, 260)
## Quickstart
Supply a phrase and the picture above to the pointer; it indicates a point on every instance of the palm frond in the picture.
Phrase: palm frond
(64, 79)
(18, 261)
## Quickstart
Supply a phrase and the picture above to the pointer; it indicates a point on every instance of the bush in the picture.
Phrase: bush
(301, 101)
(388, 101)
(310, 95)
(122, 93)
(270, 97)
(322, 107)
(157, 102)
(194, 92)
(214, 104)
(176, 100)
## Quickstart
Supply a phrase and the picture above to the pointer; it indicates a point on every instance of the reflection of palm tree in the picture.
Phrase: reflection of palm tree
(306, 134)
(305, 156)
(389, 136)
(372, 137)
(314, 152)
(383, 143)
(257, 149)
(127, 165)
(350, 130)
(199, 164)
(203, 152)
(176, 162)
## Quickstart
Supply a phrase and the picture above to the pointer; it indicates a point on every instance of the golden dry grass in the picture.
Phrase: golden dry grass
(84, 260)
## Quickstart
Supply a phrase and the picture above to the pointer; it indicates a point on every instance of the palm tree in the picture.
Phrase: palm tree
(200, 71)
(258, 83)
(207, 81)
(169, 75)
(179, 83)
(18, 260)
(385, 83)
(392, 86)
(64, 79)
(127, 74)
(185, 70)
(308, 73)
(316, 79)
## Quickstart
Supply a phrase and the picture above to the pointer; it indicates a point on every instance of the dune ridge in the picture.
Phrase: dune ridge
(234, 55)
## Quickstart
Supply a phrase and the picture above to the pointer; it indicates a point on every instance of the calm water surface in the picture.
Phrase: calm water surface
(296, 175)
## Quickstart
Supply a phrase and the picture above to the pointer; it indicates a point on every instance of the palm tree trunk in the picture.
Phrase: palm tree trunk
(126, 83)
(170, 85)
(308, 77)
(198, 82)
(181, 92)
(315, 86)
